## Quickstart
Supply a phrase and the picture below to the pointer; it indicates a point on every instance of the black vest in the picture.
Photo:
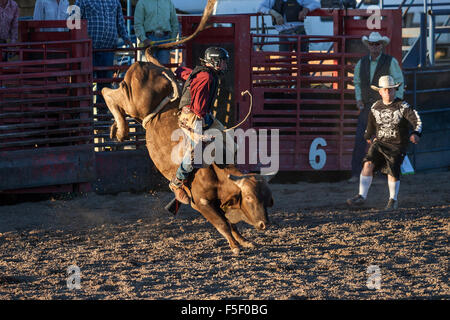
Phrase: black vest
(291, 8)
(186, 98)
(368, 95)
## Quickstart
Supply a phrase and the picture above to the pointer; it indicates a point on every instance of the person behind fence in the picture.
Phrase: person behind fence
(156, 20)
(367, 72)
(51, 10)
(105, 25)
(388, 135)
(198, 96)
(288, 17)
(9, 23)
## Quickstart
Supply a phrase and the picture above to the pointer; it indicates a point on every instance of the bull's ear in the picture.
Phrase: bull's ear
(232, 202)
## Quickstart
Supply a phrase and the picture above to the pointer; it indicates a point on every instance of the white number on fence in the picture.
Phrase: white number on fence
(315, 152)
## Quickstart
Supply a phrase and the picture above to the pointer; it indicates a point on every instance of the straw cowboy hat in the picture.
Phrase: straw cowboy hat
(386, 82)
(375, 37)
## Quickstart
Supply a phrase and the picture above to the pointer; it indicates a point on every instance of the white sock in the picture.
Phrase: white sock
(364, 185)
(394, 186)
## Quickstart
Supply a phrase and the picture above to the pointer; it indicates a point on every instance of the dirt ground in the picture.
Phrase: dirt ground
(128, 247)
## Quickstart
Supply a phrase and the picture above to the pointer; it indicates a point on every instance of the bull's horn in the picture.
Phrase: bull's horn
(268, 176)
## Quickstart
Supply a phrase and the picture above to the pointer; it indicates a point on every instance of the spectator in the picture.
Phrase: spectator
(367, 72)
(105, 25)
(288, 17)
(9, 21)
(51, 10)
(156, 20)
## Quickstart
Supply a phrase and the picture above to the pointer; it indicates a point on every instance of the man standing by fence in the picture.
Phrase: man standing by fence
(51, 10)
(9, 21)
(105, 25)
(288, 17)
(156, 20)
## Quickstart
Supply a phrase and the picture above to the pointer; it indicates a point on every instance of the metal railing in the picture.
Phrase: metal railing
(432, 131)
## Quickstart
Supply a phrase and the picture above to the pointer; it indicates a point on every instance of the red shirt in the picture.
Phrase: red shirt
(200, 87)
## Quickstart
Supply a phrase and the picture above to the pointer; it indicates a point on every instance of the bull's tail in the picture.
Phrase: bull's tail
(150, 58)
(206, 14)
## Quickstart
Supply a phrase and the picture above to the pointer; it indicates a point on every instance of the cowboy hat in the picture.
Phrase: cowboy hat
(386, 82)
(375, 37)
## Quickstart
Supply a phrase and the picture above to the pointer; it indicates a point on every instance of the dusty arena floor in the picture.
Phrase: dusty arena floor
(128, 247)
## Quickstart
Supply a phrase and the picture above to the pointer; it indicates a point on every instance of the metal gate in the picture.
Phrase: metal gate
(46, 127)
(50, 128)
(307, 96)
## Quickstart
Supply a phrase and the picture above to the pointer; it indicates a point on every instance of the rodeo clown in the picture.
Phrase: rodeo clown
(198, 96)
(389, 120)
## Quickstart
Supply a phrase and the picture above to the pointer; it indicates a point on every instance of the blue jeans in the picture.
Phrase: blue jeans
(162, 55)
(186, 166)
(102, 59)
(293, 47)
(359, 150)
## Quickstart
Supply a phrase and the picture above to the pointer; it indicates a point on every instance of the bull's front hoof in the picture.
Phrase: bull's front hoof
(247, 244)
(120, 136)
(236, 251)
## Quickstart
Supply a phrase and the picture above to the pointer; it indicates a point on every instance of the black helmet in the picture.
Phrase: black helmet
(213, 55)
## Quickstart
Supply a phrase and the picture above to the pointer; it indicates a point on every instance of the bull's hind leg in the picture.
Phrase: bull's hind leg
(219, 223)
(113, 97)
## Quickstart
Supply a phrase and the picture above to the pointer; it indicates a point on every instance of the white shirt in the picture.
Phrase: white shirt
(266, 5)
(51, 10)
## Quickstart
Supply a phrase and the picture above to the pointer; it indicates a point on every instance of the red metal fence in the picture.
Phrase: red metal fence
(46, 129)
(308, 97)
(50, 126)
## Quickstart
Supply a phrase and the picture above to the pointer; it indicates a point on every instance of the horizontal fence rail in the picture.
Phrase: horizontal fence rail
(309, 97)
(45, 94)
(46, 125)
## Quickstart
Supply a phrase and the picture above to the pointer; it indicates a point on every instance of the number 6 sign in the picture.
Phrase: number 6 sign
(315, 153)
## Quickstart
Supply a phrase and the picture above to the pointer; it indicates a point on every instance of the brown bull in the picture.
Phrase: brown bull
(222, 194)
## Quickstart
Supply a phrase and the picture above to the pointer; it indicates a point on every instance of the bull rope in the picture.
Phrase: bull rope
(248, 113)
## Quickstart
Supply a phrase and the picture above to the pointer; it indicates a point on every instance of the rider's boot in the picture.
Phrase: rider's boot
(176, 185)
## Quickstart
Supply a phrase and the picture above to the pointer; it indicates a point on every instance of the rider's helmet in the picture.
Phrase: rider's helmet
(214, 55)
